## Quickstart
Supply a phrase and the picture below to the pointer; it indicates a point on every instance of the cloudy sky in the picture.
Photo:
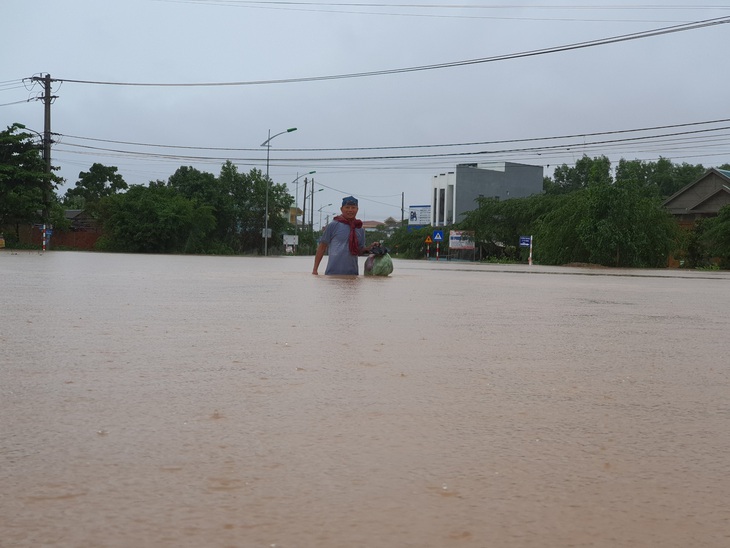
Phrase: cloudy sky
(384, 95)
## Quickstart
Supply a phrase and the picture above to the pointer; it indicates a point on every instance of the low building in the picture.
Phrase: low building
(371, 226)
(82, 234)
(702, 198)
(455, 193)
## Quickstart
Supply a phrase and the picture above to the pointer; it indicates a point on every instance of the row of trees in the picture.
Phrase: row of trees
(191, 212)
(585, 214)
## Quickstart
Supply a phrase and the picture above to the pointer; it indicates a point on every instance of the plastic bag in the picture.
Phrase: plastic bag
(378, 263)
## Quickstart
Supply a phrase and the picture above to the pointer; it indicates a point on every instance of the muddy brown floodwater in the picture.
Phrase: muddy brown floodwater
(167, 401)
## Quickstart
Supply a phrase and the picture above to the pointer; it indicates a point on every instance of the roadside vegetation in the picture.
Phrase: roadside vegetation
(589, 213)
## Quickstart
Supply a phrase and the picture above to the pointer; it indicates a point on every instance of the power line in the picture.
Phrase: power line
(532, 53)
(405, 147)
(336, 8)
(592, 7)
(16, 102)
(444, 155)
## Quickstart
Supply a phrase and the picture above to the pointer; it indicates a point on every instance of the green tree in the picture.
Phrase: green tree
(663, 175)
(409, 244)
(154, 219)
(25, 186)
(93, 185)
(625, 225)
(716, 237)
(585, 172)
(247, 203)
(204, 189)
(557, 240)
(250, 199)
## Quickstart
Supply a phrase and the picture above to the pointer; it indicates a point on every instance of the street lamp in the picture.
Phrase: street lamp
(320, 214)
(267, 144)
(310, 197)
(296, 198)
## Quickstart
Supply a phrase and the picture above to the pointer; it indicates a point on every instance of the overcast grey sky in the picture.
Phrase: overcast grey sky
(304, 64)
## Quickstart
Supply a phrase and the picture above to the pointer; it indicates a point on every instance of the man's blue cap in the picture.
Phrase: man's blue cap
(349, 200)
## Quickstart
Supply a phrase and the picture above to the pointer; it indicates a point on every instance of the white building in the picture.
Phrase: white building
(455, 193)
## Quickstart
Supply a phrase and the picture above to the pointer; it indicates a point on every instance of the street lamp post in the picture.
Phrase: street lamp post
(267, 144)
(310, 197)
(296, 199)
(320, 214)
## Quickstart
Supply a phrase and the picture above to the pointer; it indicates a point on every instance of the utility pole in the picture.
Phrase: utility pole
(304, 205)
(311, 209)
(47, 100)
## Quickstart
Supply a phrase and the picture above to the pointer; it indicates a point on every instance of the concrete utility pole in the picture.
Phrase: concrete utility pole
(304, 205)
(311, 209)
(47, 100)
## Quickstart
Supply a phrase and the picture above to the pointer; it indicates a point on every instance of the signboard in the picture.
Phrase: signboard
(526, 241)
(291, 239)
(419, 215)
(461, 239)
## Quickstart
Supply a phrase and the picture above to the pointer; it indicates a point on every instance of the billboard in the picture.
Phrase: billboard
(419, 215)
(461, 239)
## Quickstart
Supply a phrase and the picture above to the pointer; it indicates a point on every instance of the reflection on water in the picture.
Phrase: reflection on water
(209, 401)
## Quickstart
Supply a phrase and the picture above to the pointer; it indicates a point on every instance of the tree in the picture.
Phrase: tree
(666, 177)
(556, 233)
(93, 185)
(204, 189)
(154, 219)
(252, 211)
(584, 172)
(716, 236)
(24, 181)
(409, 244)
(625, 225)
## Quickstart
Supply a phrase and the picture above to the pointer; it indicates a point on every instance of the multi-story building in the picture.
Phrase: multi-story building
(455, 193)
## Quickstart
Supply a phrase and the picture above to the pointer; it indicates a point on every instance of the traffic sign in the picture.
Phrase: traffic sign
(525, 241)
(428, 239)
(438, 235)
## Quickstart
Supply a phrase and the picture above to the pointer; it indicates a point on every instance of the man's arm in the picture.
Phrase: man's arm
(368, 248)
(321, 248)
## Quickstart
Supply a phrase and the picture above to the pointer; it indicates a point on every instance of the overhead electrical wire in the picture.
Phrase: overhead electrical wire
(361, 9)
(450, 6)
(510, 56)
(15, 102)
(400, 147)
(532, 149)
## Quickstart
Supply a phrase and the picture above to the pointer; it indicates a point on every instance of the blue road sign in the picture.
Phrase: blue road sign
(525, 241)
(438, 235)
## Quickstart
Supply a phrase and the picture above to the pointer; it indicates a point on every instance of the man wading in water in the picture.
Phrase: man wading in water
(345, 239)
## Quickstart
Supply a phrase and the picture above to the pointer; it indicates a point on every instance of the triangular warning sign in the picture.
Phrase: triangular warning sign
(428, 239)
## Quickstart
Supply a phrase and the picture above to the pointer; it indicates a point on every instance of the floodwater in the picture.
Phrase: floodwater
(169, 401)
